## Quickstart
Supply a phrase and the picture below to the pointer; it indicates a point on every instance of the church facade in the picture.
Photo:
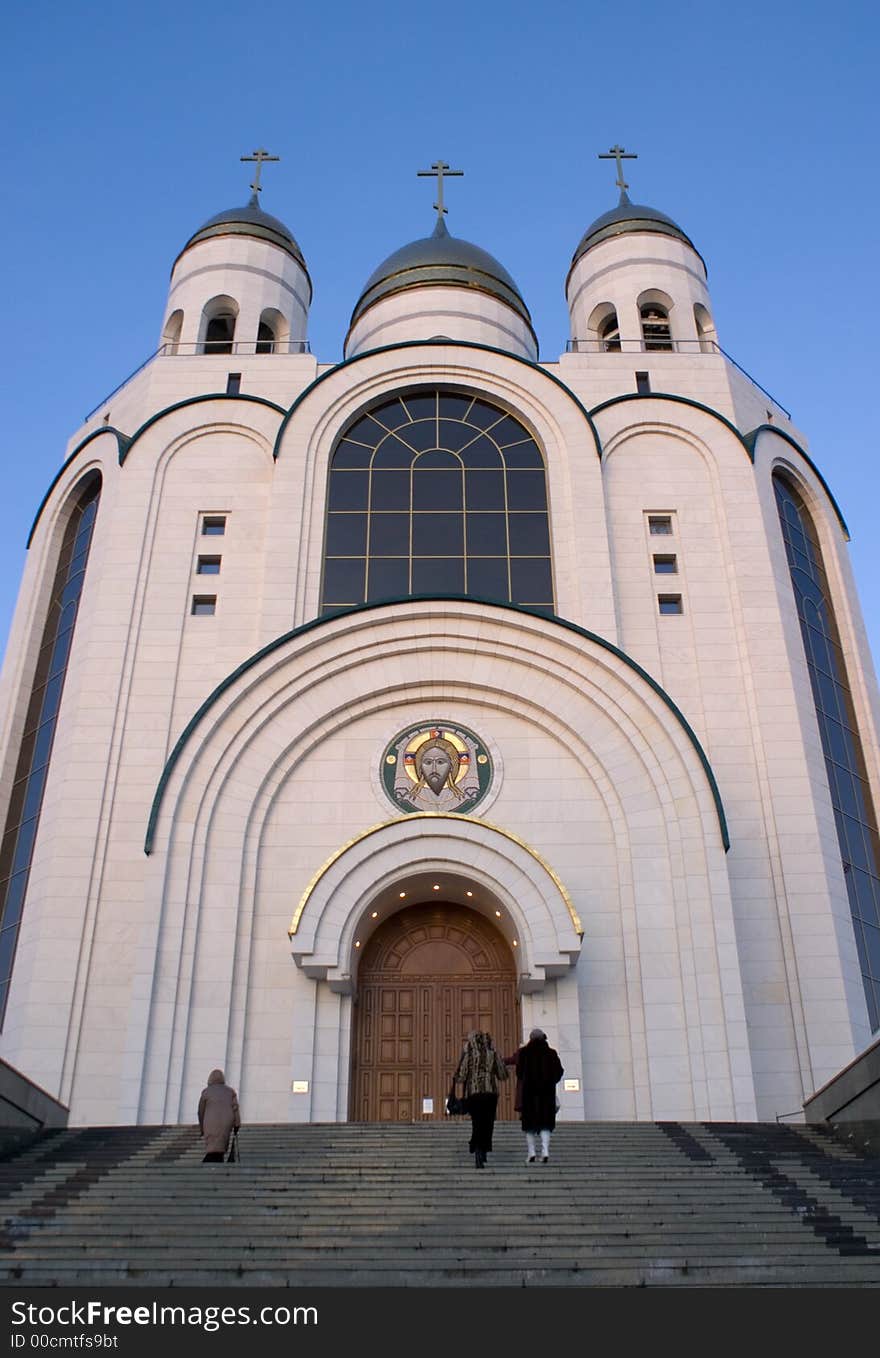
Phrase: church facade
(352, 706)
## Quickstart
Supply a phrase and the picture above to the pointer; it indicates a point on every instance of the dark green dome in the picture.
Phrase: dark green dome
(628, 217)
(249, 220)
(441, 259)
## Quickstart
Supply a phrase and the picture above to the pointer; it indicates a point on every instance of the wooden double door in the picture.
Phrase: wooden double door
(428, 976)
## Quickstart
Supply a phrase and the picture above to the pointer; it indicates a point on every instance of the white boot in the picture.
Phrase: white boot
(545, 1146)
(530, 1147)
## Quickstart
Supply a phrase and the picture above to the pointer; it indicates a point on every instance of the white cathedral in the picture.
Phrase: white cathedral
(351, 706)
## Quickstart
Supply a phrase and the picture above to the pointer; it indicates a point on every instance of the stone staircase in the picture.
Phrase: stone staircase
(619, 1204)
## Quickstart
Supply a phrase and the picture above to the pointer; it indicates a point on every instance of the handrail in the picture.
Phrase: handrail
(740, 368)
(642, 345)
(124, 383)
(217, 349)
(207, 348)
(256, 348)
(666, 346)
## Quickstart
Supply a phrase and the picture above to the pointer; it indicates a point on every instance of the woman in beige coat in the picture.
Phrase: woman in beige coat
(218, 1116)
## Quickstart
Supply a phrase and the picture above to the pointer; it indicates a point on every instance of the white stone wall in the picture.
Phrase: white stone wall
(707, 984)
(733, 661)
(421, 313)
(593, 760)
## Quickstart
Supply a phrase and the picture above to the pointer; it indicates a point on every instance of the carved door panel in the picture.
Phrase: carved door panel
(428, 976)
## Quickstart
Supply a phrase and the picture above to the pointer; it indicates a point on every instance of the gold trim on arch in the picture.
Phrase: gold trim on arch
(433, 815)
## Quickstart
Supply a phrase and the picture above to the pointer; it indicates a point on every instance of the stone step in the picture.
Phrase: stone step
(560, 1272)
(374, 1205)
(376, 1197)
(82, 1220)
(154, 1253)
(773, 1235)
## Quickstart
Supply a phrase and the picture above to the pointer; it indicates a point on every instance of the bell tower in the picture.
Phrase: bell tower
(239, 285)
(637, 283)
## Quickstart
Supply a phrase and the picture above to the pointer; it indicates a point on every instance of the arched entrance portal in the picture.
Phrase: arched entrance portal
(428, 975)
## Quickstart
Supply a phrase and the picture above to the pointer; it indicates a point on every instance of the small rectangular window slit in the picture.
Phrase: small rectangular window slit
(204, 604)
(669, 603)
(209, 565)
(233, 384)
(643, 384)
(665, 565)
(660, 525)
(213, 525)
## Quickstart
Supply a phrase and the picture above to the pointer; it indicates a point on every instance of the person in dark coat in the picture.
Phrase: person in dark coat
(540, 1070)
(218, 1116)
(480, 1070)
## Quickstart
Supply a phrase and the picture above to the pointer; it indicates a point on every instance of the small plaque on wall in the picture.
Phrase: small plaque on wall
(571, 1086)
(427, 1105)
(300, 1086)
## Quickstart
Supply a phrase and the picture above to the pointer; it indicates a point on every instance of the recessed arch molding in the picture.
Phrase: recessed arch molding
(327, 919)
(479, 606)
(125, 442)
(748, 441)
(448, 377)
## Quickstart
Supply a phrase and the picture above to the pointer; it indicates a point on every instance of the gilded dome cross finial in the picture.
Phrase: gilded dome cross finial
(437, 171)
(619, 154)
(260, 155)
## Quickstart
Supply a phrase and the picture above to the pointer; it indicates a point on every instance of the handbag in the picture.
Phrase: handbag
(456, 1107)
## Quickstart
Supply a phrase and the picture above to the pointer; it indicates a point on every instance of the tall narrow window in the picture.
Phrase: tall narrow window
(854, 810)
(656, 334)
(23, 817)
(705, 330)
(219, 334)
(171, 333)
(265, 339)
(218, 326)
(603, 331)
(609, 334)
(273, 332)
(437, 492)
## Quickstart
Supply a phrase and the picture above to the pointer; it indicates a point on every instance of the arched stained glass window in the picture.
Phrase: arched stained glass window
(847, 778)
(437, 492)
(23, 816)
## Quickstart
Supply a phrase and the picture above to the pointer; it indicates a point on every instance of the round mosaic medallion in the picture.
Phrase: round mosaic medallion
(436, 766)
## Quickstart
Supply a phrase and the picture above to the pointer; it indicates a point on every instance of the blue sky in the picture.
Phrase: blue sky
(755, 126)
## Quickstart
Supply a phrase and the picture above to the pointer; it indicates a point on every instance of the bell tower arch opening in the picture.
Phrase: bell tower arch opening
(430, 969)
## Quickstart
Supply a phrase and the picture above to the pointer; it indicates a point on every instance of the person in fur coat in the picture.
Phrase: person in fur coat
(218, 1116)
(540, 1070)
(480, 1069)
